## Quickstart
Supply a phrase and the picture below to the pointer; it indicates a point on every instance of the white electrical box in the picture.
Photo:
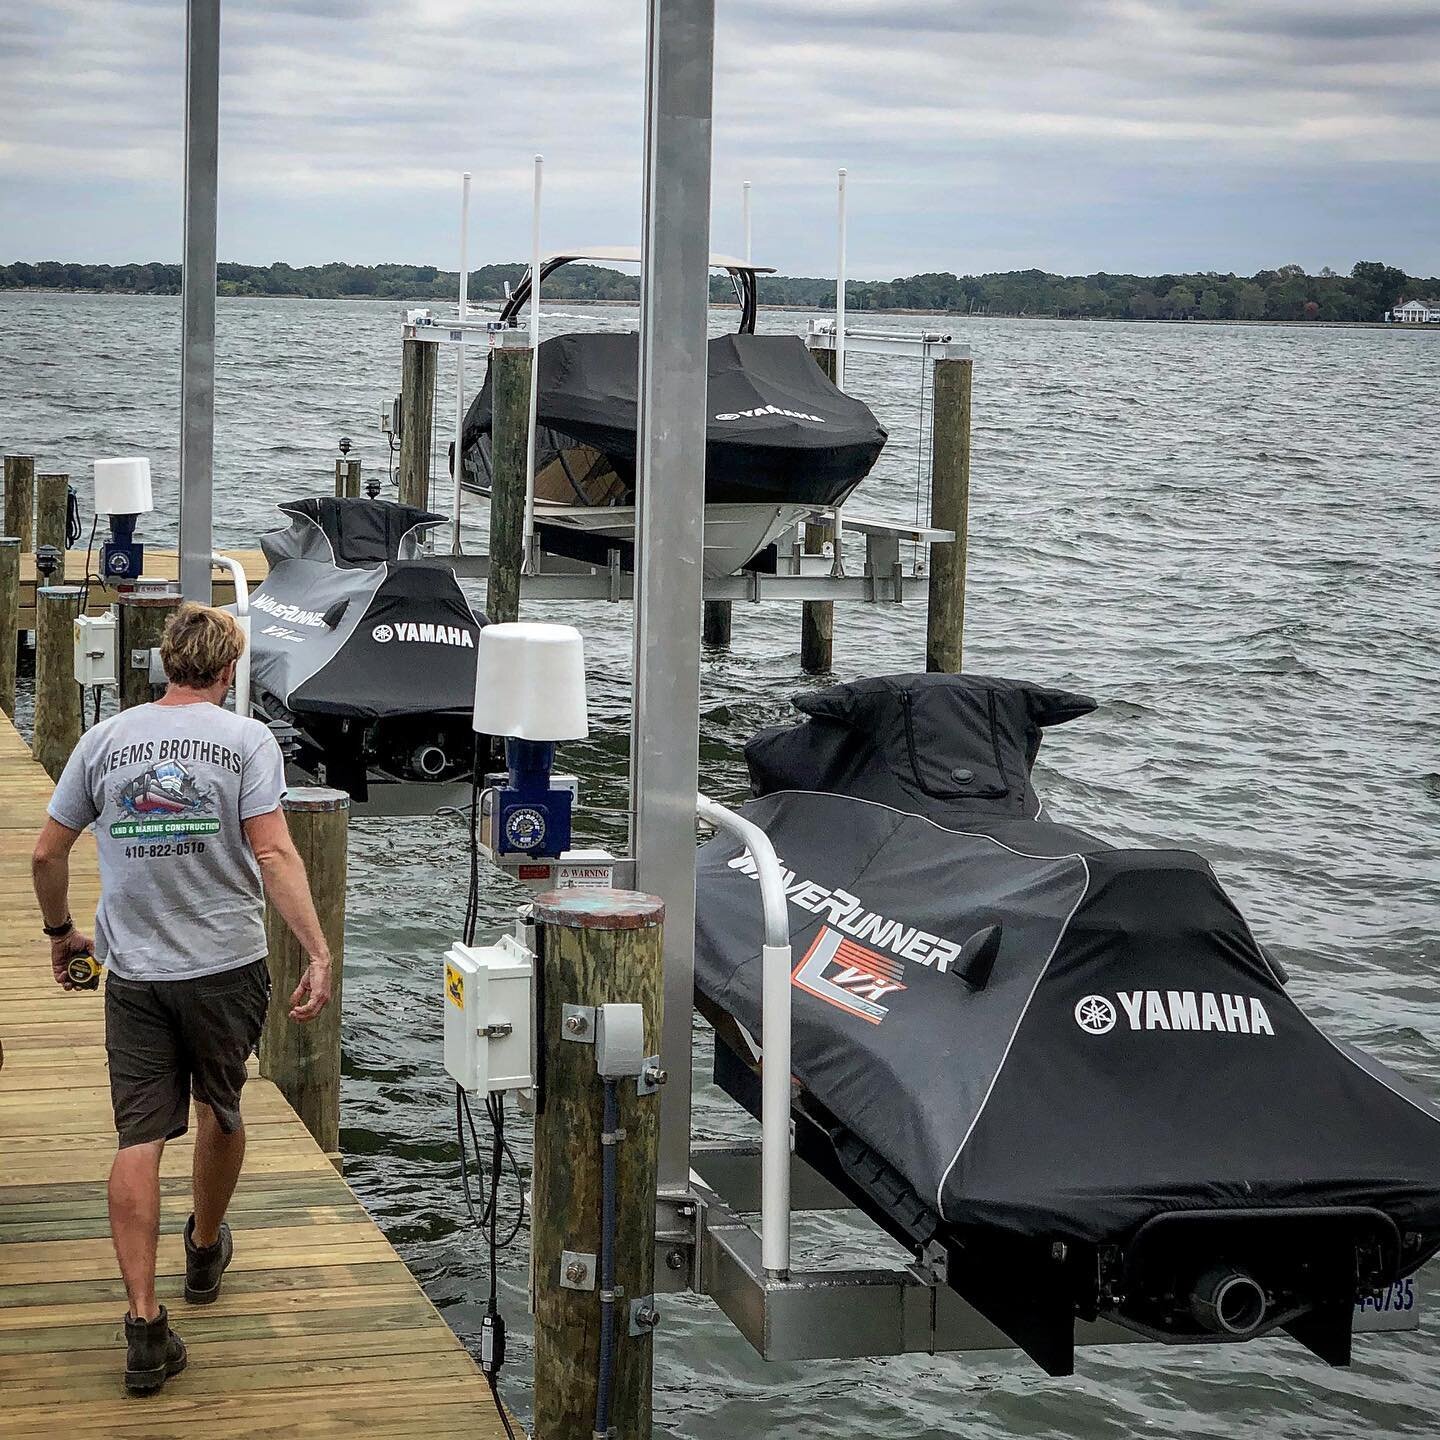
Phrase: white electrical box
(489, 1016)
(95, 650)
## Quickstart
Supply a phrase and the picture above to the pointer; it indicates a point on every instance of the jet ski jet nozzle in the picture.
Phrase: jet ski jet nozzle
(428, 762)
(1226, 1301)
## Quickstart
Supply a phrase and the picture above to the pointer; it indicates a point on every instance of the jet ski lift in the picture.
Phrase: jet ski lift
(1063, 1240)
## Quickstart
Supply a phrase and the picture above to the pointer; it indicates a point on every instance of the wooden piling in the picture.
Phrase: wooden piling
(509, 454)
(417, 421)
(52, 504)
(20, 499)
(9, 619)
(140, 625)
(949, 510)
(817, 617)
(347, 478)
(304, 1060)
(719, 617)
(596, 947)
(57, 697)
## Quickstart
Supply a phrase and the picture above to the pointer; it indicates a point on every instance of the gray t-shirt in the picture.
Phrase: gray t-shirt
(166, 788)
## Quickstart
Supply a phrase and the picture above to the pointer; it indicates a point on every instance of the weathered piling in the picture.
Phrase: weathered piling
(817, 617)
(304, 1060)
(9, 619)
(596, 947)
(52, 503)
(718, 619)
(347, 478)
(949, 510)
(57, 697)
(20, 499)
(417, 421)
(509, 456)
(142, 616)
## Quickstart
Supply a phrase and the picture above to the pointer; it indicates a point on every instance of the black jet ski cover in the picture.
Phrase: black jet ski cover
(338, 628)
(1127, 1050)
(779, 430)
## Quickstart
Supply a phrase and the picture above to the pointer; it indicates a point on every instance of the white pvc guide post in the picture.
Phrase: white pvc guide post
(528, 529)
(840, 293)
(745, 211)
(460, 360)
(242, 615)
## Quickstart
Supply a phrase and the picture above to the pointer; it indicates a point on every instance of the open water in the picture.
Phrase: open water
(1227, 534)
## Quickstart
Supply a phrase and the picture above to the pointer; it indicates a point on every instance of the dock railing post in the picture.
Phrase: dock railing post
(140, 625)
(596, 948)
(52, 503)
(9, 619)
(20, 499)
(510, 367)
(949, 510)
(417, 421)
(817, 617)
(57, 697)
(304, 1060)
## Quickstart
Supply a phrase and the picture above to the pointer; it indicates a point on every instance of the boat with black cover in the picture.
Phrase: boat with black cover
(781, 439)
(365, 665)
(1066, 1069)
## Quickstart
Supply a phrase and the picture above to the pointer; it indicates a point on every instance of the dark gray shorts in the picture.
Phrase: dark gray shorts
(167, 1038)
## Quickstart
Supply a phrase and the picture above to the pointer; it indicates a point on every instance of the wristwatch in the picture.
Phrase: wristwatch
(60, 931)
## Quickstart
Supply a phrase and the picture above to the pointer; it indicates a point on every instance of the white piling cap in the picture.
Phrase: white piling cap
(122, 486)
(530, 682)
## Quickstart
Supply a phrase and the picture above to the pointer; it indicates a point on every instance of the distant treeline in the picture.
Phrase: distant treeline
(1289, 293)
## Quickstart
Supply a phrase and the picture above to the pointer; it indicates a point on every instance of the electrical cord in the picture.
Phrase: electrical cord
(89, 554)
(609, 1139)
(73, 528)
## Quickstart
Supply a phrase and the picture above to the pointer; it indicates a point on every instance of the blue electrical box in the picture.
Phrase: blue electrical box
(530, 814)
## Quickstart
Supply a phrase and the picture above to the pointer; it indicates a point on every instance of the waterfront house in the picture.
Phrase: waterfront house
(1416, 312)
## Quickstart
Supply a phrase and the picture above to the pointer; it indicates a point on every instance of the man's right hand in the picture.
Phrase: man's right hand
(312, 994)
(62, 947)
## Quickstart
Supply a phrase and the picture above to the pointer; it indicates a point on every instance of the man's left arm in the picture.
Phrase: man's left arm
(50, 867)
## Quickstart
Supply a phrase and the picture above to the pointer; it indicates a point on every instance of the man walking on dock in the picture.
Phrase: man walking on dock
(184, 797)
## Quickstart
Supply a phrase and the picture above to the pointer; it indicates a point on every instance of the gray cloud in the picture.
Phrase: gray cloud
(1127, 134)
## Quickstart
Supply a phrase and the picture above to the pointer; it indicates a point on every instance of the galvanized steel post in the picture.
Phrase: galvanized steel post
(674, 310)
(197, 302)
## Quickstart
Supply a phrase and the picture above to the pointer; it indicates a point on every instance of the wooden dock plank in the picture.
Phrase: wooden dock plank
(320, 1330)
(159, 565)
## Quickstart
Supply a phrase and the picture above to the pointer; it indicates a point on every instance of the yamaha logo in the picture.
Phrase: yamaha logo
(770, 410)
(1174, 1010)
(382, 634)
(411, 633)
(1095, 1015)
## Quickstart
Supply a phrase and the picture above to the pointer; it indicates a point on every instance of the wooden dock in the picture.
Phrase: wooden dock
(320, 1329)
(159, 565)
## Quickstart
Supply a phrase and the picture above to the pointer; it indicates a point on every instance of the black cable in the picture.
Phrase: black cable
(609, 1139)
(89, 553)
(472, 899)
(73, 528)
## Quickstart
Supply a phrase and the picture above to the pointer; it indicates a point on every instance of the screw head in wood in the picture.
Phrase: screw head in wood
(574, 1272)
(575, 1024)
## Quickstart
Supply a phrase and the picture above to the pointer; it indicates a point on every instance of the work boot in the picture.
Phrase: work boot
(204, 1267)
(153, 1353)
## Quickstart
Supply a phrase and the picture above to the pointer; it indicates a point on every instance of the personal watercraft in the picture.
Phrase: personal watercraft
(366, 665)
(1067, 1069)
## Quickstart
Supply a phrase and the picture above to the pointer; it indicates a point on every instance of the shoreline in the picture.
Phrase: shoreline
(857, 315)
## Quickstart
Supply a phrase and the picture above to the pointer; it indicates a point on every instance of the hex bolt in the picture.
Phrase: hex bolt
(575, 1024)
(675, 1260)
(656, 1075)
(648, 1316)
(574, 1272)
(1058, 1252)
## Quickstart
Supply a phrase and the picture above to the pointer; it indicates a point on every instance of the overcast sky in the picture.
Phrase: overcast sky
(1073, 135)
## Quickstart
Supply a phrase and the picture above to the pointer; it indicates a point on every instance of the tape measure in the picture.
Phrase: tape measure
(84, 972)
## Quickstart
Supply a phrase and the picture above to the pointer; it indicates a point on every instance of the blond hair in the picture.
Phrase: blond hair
(198, 644)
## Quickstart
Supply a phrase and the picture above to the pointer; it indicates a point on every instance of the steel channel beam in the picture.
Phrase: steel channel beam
(665, 723)
(197, 303)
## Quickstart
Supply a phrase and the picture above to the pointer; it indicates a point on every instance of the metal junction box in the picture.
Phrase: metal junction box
(488, 1016)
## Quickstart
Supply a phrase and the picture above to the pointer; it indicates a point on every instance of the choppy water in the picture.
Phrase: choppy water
(1227, 534)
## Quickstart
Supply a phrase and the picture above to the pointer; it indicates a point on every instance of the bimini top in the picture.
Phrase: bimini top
(779, 431)
(741, 272)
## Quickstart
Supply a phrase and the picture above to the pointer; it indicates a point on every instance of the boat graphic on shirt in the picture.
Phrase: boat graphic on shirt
(164, 799)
